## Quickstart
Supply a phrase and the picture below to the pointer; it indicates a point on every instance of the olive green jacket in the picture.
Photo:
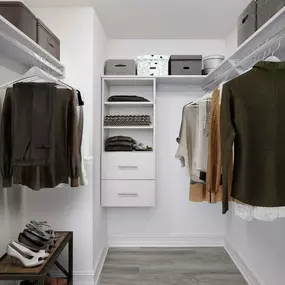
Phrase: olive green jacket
(253, 120)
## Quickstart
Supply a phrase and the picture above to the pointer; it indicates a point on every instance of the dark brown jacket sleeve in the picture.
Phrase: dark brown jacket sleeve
(73, 143)
(6, 141)
(227, 140)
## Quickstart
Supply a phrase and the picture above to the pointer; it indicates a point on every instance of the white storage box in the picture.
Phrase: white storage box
(152, 65)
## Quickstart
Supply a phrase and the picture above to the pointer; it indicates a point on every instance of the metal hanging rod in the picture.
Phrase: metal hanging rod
(269, 43)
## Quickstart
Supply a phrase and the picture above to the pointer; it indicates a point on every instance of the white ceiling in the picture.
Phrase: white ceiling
(161, 19)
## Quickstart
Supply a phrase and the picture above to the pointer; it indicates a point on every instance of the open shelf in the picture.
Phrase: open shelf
(20, 53)
(130, 104)
(128, 127)
(195, 80)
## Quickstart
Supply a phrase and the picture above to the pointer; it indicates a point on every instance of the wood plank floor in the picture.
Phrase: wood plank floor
(170, 266)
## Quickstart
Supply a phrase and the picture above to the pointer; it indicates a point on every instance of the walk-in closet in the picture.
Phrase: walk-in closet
(142, 142)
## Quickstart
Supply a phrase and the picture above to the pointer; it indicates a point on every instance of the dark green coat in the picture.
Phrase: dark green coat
(253, 120)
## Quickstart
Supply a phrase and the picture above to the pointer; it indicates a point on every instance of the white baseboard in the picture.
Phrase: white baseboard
(167, 240)
(249, 275)
(83, 278)
(100, 264)
(86, 277)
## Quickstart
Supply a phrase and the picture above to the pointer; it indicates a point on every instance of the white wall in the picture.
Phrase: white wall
(231, 43)
(72, 208)
(174, 217)
(100, 223)
(260, 244)
(133, 48)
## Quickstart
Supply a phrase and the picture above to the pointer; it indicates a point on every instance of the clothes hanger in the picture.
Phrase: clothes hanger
(36, 73)
(205, 98)
(273, 58)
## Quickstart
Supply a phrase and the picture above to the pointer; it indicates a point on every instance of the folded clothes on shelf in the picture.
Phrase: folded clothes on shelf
(120, 138)
(128, 120)
(141, 147)
(119, 148)
(124, 143)
(127, 98)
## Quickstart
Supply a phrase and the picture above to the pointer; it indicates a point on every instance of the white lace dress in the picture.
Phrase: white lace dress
(247, 212)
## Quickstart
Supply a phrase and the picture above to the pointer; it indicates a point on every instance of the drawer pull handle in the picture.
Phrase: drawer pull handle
(128, 167)
(50, 43)
(128, 194)
(245, 19)
(120, 65)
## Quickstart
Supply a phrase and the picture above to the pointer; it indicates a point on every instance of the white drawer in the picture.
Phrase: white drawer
(128, 193)
(124, 165)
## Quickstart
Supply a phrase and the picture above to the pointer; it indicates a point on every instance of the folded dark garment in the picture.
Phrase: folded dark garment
(120, 143)
(129, 120)
(143, 149)
(119, 148)
(120, 138)
(127, 98)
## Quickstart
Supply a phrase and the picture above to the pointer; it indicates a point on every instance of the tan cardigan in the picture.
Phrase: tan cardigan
(212, 191)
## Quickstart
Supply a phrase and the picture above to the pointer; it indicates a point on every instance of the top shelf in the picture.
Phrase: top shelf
(270, 36)
(265, 38)
(117, 80)
(19, 53)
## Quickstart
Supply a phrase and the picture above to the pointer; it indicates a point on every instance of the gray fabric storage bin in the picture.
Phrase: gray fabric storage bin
(247, 22)
(120, 67)
(185, 65)
(48, 40)
(20, 16)
(267, 9)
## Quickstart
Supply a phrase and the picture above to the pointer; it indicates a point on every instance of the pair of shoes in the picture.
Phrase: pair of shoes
(32, 239)
(34, 244)
(26, 256)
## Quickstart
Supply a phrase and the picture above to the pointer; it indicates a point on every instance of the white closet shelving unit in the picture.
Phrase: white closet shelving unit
(128, 178)
(19, 53)
(269, 38)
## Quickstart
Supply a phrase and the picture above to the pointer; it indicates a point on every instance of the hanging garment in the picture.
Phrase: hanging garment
(214, 167)
(66, 162)
(34, 143)
(187, 145)
(83, 180)
(248, 212)
(202, 138)
(252, 118)
(187, 151)
(244, 211)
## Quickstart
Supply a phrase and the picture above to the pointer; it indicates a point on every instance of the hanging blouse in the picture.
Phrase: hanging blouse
(187, 148)
(202, 138)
